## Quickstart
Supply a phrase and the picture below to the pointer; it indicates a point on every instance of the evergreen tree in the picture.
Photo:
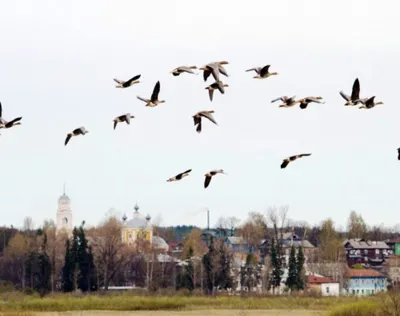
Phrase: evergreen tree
(92, 271)
(67, 282)
(208, 262)
(224, 278)
(83, 261)
(292, 278)
(276, 262)
(189, 270)
(74, 256)
(299, 267)
(44, 273)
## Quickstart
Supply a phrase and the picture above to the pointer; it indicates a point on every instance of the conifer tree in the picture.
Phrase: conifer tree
(292, 278)
(276, 262)
(224, 278)
(83, 261)
(44, 270)
(299, 267)
(67, 282)
(208, 262)
(189, 270)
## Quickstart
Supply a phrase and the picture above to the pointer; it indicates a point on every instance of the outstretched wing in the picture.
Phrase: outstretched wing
(214, 71)
(143, 99)
(119, 81)
(256, 69)
(197, 120)
(179, 176)
(303, 155)
(11, 123)
(312, 99)
(115, 124)
(211, 93)
(206, 74)
(284, 164)
(1, 110)
(355, 93)
(280, 98)
(370, 102)
(156, 91)
(345, 96)
(207, 181)
(264, 70)
(67, 139)
(132, 79)
(209, 116)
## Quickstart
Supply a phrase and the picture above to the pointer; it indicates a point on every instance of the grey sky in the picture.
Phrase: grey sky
(58, 59)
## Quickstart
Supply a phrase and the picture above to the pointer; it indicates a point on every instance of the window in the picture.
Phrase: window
(327, 289)
(354, 292)
(362, 292)
(358, 291)
(365, 251)
(377, 251)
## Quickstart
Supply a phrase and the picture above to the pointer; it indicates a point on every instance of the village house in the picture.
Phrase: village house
(394, 244)
(369, 253)
(286, 243)
(322, 285)
(363, 282)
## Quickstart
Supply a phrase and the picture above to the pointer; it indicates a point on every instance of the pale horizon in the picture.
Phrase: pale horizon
(58, 61)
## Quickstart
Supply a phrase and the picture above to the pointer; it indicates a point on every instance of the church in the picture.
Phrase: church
(64, 214)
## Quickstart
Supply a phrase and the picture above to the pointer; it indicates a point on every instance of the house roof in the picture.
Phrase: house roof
(366, 273)
(314, 279)
(296, 243)
(236, 240)
(358, 243)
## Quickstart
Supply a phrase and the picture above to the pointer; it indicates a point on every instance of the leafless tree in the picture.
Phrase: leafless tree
(109, 250)
(28, 224)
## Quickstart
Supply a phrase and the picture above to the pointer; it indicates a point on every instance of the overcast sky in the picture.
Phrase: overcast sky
(57, 62)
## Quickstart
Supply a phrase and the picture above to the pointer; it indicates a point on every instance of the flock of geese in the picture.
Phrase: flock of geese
(215, 69)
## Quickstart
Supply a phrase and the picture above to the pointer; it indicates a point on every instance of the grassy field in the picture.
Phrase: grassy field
(16, 303)
(218, 312)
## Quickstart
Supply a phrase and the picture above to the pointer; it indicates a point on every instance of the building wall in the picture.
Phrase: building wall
(329, 289)
(397, 249)
(365, 286)
(64, 216)
(130, 235)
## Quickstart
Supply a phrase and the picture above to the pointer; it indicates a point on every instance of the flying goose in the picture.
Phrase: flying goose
(6, 124)
(216, 85)
(179, 70)
(287, 102)
(354, 99)
(180, 176)
(123, 118)
(305, 101)
(286, 161)
(398, 153)
(75, 132)
(153, 101)
(198, 118)
(368, 103)
(262, 72)
(214, 68)
(209, 175)
(126, 84)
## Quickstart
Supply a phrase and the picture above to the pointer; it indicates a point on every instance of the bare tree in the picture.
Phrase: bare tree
(109, 249)
(28, 224)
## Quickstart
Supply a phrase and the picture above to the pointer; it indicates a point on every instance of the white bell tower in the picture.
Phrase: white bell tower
(64, 213)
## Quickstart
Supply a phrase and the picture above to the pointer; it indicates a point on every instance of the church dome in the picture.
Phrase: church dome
(64, 197)
(159, 243)
(138, 220)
